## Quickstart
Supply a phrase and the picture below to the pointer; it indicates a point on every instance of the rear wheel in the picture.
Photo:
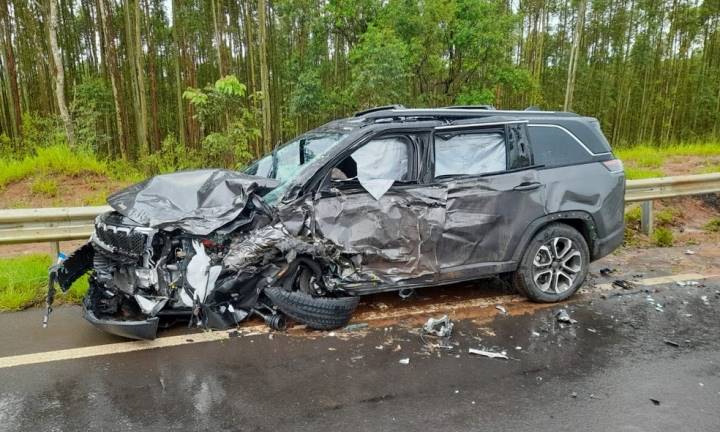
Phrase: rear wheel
(554, 265)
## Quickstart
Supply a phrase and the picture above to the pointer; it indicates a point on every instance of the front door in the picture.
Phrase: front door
(373, 206)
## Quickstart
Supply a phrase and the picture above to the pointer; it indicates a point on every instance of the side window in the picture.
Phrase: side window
(553, 146)
(383, 159)
(386, 158)
(377, 165)
(470, 153)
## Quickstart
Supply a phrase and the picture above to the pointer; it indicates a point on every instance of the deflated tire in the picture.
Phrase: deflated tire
(320, 313)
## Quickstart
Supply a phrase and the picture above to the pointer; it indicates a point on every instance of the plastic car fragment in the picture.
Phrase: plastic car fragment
(490, 354)
(441, 327)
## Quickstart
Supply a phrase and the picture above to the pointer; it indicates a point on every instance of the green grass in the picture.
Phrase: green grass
(23, 282)
(646, 161)
(45, 186)
(60, 159)
(663, 237)
(633, 215)
(667, 216)
(632, 173)
(713, 225)
(713, 168)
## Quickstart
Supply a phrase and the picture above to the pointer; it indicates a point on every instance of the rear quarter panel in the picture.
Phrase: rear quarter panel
(590, 188)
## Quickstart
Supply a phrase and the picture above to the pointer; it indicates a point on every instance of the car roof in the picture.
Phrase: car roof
(582, 128)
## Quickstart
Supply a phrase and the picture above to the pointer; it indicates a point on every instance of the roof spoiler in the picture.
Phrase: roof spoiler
(380, 108)
(471, 107)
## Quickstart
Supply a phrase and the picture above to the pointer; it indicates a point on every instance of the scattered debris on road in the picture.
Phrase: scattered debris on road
(624, 284)
(440, 327)
(564, 317)
(355, 327)
(606, 271)
(490, 354)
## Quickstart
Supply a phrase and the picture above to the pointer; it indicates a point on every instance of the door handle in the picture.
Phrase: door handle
(526, 186)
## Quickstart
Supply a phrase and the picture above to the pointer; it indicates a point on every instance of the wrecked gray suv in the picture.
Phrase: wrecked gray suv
(390, 199)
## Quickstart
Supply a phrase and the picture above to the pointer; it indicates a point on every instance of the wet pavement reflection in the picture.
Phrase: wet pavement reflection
(627, 350)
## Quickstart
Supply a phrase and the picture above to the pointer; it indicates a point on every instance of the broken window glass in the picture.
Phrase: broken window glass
(286, 162)
(469, 153)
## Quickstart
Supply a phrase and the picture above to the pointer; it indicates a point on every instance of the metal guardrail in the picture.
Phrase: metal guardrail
(669, 187)
(73, 223)
(647, 190)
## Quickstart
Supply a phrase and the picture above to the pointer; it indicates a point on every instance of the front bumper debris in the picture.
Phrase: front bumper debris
(143, 329)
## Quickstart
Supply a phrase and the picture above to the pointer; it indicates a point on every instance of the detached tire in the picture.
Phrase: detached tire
(554, 265)
(319, 313)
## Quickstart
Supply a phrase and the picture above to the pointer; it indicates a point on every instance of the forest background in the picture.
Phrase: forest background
(159, 85)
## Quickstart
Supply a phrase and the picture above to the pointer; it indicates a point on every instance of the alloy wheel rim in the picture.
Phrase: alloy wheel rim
(556, 265)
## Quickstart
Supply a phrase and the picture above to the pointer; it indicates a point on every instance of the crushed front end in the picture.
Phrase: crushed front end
(201, 247)
(140, 274)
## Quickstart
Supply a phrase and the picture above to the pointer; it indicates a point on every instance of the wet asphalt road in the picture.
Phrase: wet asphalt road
(599, 374)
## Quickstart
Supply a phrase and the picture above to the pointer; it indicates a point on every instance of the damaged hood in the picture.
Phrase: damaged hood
(198, 202)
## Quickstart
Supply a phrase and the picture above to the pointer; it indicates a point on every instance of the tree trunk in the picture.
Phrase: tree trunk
(137, 90)
(265, 77)
(218, 38)
(59, 74)
(178, 76)
(152, 72)
(574, 54)
(111, 59)
(140, 67)
(16, 110)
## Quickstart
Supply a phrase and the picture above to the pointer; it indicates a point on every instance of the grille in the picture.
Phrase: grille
(132, 243)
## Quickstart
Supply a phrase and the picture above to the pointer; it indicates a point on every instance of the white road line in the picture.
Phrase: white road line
(171, 341)
(122, 347)
(656, 281)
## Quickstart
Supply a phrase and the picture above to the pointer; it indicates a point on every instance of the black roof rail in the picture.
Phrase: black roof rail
(478, 107)
(380, 108)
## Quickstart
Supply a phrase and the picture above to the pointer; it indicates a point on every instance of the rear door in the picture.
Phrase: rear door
(493, 194)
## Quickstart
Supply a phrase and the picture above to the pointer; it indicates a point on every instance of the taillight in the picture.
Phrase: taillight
(614, 165)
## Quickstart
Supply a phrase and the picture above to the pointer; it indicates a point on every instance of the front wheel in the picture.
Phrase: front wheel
(554, 265)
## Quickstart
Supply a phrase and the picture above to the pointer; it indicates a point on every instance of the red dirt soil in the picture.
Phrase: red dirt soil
(71, 192)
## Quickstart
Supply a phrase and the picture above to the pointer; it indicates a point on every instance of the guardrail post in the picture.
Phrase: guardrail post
(54, 251)
(646, 220)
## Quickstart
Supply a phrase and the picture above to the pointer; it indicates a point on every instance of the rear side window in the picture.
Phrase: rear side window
(473, 153)
(553, 146)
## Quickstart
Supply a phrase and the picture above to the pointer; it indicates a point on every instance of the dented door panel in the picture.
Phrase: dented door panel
(396, 236)
(485, 217)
